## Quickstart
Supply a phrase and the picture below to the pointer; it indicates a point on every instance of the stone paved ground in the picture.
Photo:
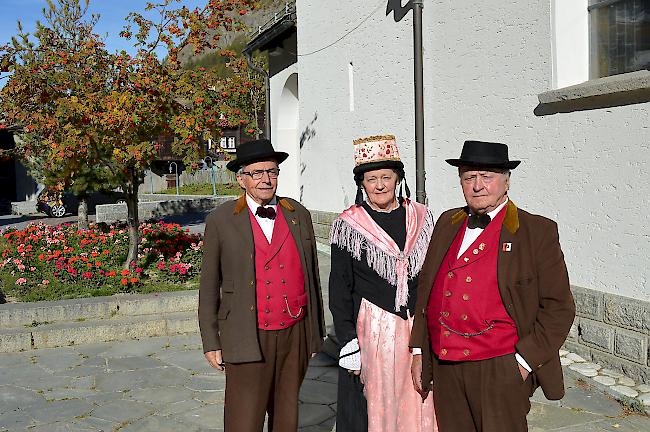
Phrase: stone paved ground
(163, 384)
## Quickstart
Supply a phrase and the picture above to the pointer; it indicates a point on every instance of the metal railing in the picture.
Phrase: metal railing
(288, 10)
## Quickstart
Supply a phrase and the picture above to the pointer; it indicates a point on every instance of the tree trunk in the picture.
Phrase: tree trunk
(82, 213)
(131, 196)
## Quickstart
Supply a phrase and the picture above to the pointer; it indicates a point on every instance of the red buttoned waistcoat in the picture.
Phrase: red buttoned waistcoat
(533, 285)
(280, 287)
(227, 294)
(465, 299)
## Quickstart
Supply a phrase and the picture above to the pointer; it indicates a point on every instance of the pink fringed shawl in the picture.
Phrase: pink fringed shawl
(354, 230)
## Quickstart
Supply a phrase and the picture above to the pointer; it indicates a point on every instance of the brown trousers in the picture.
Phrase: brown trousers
(268, 386)
(481, 396)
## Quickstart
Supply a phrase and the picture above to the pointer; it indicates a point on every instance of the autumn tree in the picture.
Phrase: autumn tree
(54, 85)
(127, 100)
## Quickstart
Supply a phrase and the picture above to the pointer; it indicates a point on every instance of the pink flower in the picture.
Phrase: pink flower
(87, 275)
(21, 281)
(45, 282)
(160, 265)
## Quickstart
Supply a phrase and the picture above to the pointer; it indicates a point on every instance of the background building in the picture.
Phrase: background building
(524, 73)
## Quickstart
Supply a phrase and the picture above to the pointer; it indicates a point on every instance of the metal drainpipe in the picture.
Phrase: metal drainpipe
(420, 173)
(267, 86)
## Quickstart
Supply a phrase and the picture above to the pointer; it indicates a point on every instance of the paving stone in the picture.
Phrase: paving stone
(12, 360)
(159, 424)
(565, 361)
(645, 399)
(135, 348)
(624, 390)
(322, 360)
(212, 397)
(544, 417)
(188, 360)
(61, 410)
(97, 424)
(52, 360)
(206, 417)
(611, 373)
(317, 392)
(162, 395)
(589, 401)
(584, 371)
(63, 426)
(563, 352)
(119, 381)
(14, 398)
(132, 363)
(643, 388)
(314, 414)
(162, 377)
(580, 367)
(314, 372)
(68, 393)
(180, 407)
(331, 376)
(626, 381)
(575, 358)
(15, 420)
(122, 410)
(205, 383)
(605, 380)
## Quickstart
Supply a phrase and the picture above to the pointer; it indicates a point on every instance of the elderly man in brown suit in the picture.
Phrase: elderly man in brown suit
(260, 304)
(494, 304)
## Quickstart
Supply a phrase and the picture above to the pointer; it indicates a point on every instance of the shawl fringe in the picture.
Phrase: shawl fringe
(385, 264)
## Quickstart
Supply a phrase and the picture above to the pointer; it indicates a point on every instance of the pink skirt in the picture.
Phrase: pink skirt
(393, 403)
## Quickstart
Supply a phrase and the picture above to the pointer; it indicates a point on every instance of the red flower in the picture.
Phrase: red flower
(124, 281)
(134, 280)
(125, 272)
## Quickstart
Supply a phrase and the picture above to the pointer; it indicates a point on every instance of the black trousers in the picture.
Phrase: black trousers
(351, 406)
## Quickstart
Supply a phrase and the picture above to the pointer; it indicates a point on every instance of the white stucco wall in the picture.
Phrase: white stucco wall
(485, 63)
(284, 130)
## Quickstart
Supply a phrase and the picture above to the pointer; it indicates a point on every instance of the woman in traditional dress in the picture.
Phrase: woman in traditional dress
(378, 247)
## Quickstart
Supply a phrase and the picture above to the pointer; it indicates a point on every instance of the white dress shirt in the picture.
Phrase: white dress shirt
(265, 223)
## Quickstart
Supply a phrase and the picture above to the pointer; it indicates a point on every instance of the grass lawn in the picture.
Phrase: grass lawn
(205, 189)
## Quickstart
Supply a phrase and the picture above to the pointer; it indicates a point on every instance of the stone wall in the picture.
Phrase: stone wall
(613, 331)
(322, 222)
(152, 209)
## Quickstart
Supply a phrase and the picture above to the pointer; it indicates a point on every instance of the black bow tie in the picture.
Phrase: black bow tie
(265, 212)
(478, 221)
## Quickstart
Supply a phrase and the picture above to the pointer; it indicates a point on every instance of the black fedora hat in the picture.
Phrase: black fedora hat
(255, 151)
(484, 154)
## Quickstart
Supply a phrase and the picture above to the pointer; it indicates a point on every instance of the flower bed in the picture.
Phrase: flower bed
(50, 263)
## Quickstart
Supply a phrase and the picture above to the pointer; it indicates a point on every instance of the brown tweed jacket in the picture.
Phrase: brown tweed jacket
(227, 297)
(534, 287)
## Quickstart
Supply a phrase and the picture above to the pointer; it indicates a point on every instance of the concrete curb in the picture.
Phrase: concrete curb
(68, 322)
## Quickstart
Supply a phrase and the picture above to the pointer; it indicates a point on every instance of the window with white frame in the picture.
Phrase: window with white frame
(223, 143)
(231, 142)
(619, 36)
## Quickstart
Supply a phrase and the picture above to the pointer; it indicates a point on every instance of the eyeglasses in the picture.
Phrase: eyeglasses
(258, 174)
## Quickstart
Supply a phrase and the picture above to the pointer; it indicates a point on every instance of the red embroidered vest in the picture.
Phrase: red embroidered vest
(465, 314)
(280, 281)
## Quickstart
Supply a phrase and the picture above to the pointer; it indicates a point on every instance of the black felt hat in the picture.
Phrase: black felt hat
(255, 151)
(484, 154)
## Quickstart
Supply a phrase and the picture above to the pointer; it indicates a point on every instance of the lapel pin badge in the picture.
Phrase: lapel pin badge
(507, 247)
(293, 221)
(481, 246)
